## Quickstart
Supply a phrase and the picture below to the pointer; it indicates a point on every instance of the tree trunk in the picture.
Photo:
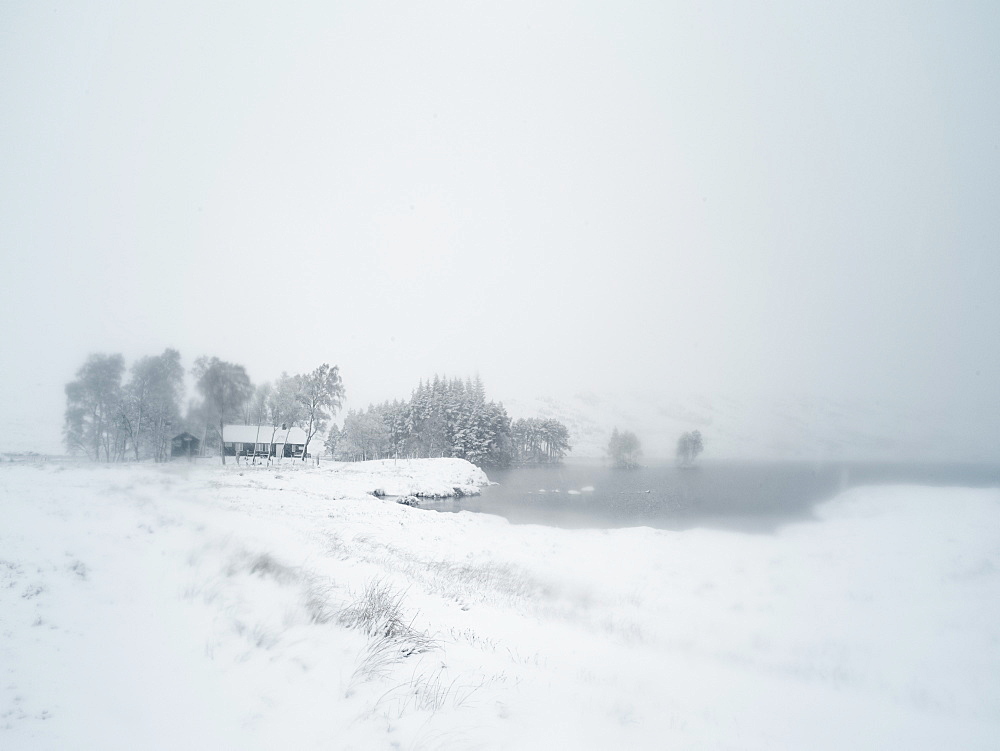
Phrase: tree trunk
(96, 423)
(222, 443)
(305, 448)
(135, 439)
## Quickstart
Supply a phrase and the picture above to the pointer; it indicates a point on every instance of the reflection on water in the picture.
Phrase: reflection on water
(752, 496)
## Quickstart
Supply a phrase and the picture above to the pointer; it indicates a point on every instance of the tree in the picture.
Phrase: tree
(283, 407)
(365, 436)
(320, 394)
(256, 412)
(333, 441)
(167, 391)
(494, 446)
(689, 445)
(196, 420)
(150, 406)
(444, 417)
(395, 415)
(539, 441)
(225, 388)
(428, 424)
(624, 449)
(93, 406)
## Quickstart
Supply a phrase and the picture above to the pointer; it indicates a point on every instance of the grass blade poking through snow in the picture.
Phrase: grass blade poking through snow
(379, 614)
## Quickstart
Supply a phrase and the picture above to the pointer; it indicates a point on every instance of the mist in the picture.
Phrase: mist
(546, 375)
(671, 210)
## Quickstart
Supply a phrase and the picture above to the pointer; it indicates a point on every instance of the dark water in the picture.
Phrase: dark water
(751, 496)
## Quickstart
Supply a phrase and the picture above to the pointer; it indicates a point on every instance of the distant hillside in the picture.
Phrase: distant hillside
(777, 428)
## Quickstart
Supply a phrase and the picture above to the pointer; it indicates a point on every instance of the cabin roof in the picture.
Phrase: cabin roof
(251, 434)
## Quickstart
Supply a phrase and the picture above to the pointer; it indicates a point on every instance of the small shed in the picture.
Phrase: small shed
(183, 445)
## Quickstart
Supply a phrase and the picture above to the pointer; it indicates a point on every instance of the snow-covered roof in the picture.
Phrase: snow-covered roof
(250, 434)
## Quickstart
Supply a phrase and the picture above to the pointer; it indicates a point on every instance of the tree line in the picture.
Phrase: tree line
(448, 417)
(115, 418)
(111, 419)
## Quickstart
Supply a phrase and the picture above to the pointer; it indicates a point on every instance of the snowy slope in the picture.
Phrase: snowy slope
(209, 607)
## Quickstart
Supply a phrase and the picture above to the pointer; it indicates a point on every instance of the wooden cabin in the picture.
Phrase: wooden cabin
(184, 445)
(263, 440)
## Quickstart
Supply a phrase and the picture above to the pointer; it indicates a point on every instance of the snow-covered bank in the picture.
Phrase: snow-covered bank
(167, 607)
(428, 478)
(424, 478)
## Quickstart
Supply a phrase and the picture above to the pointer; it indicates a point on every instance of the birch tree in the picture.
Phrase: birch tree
(320, 394)
(283, 408)
(150, 404)
(93, 405)
(225, 388)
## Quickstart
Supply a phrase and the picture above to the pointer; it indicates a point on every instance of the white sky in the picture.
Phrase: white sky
(752, 198)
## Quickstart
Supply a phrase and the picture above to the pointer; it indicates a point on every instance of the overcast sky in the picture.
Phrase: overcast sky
(726, 198)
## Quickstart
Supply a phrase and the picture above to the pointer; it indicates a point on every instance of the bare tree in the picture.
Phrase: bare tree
(256, 412)
(133, 408)
(283, 408)
(321, 394)
(226, 388)
(689, 445)
(624, 449)
(333, 441)
(365, 436)
(92, 406)
(258, 404)
(150, 404)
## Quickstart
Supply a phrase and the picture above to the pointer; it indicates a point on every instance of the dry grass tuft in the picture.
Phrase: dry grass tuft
(379, 614)
(264, 564)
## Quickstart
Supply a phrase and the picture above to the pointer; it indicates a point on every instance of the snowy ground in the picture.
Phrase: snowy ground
(283, 607)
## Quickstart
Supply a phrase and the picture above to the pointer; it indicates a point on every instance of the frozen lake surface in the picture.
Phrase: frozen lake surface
(750, 496)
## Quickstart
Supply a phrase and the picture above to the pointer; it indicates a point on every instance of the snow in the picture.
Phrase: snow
(187, 606)
(419, 477)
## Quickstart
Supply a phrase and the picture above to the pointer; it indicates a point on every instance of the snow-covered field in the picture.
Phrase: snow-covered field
(284, 607)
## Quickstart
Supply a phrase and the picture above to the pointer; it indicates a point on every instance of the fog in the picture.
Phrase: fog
(644, 204)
